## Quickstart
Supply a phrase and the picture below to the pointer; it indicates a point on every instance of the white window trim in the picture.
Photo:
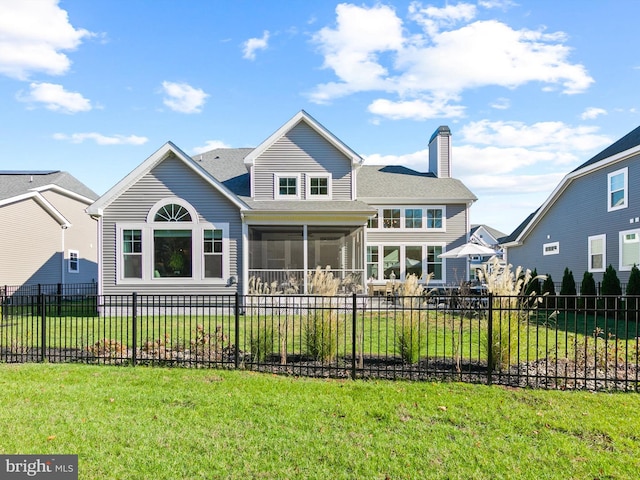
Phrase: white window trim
(602, 237)
(403, 218)
(625, 172)
(403, 258)
(552, 250)
(197, 229)
(626, 268)
(77, 254)
(276, 186)
(307, 191)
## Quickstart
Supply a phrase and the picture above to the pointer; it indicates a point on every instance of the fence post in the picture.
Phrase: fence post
(59, 299)
(354, 315)
(236, 353)
(134, 328)
(43, 327)
(490, 340)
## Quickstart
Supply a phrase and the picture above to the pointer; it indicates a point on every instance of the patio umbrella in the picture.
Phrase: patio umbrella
(467, 250)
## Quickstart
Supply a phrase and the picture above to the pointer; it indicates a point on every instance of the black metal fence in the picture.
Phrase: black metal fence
(541, 342)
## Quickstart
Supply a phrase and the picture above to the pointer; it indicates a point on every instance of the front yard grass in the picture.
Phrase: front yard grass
(141, 423)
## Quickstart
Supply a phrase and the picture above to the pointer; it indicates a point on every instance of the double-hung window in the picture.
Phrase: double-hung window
(74, 261)
(617, 189)
(597, 253)
(434, 218)
(391, 218)
(318, 187)
(287, 186)
(213, 251)
(413, 218)
(132, 253)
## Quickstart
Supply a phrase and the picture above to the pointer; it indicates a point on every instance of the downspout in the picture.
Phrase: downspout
(245, 255)
(62, 277)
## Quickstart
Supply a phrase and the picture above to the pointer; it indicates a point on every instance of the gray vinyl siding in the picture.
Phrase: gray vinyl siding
(171, 178)
(82, 236)
(439, 156)
(301, 151)
(455, 235)
(31, 242)
(581, 212)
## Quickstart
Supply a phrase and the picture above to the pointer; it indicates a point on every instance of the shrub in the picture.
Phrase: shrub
(633, 287)
(261, 342)
(568, 288)
(321, 335)
(411, 338)
(588, 290)
(632, 301)
(513, 308)
(549, 290)
(611, 288)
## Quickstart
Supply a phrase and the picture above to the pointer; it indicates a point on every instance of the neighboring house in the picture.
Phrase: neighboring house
(488, 237)
(236, 219)
(591, 219)
(46, 237)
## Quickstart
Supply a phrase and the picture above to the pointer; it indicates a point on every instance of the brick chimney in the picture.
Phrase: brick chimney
(440, 152)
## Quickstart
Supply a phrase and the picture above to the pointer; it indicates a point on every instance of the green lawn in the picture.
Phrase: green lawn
(142, 423)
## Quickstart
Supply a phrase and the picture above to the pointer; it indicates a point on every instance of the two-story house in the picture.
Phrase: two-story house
(230, 219)
(46, 236)
(591, 219)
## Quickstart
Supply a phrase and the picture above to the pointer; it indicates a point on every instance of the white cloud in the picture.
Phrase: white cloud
(183, 98)
(33, 37)
(592, 112)
(421, 109)
(501, 104)
(56, 98)
(210, 145)
(372, 49)
(102, 139)
(253, 44)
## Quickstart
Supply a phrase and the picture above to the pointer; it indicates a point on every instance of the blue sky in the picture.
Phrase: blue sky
(530, 89)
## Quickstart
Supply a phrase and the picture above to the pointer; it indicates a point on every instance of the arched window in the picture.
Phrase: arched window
(174, 244)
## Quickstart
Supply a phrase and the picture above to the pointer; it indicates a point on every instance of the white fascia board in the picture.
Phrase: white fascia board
(158, 156)
(43, 202)
(415, 201)
(314, 124)
(564, 183)
(63, 191)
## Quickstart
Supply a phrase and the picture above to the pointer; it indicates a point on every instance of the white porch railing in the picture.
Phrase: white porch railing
(294, 281)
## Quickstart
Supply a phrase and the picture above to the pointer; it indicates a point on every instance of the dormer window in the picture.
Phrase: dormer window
(287, 186)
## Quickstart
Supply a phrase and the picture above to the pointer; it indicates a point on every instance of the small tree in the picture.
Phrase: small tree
(611, 288)
(549, 289)
(568, 288)
(632, 302)
(532, 288)
(588, 290)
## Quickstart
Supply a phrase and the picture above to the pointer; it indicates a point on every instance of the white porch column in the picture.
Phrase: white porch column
(305, 256)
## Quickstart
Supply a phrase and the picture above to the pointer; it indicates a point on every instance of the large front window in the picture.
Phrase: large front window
(172, 253)
(397, 262)
(173, 244)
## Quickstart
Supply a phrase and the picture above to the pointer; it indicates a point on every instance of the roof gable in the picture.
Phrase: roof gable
(622, 149)
(145, 167)
(303, 116)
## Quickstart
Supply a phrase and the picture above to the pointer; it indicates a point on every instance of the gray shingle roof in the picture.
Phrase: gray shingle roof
(630, 140)
(496, 233)
(377, 181)
(15, 183)
(394, 181)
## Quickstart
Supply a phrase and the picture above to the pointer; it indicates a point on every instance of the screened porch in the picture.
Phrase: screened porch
(286, 256)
